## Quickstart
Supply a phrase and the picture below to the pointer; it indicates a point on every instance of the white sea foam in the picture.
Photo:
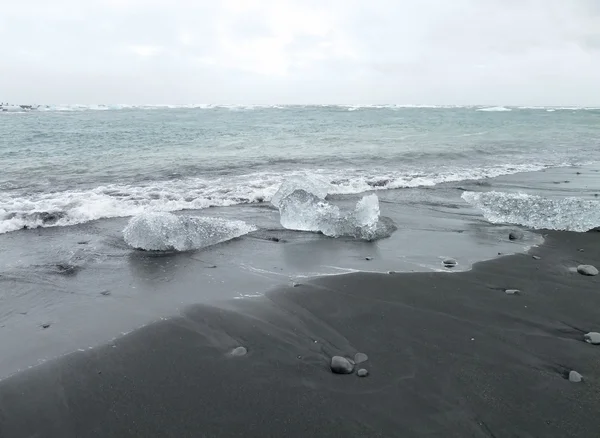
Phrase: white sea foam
(495, 109)
(570, 214)
(166, 231)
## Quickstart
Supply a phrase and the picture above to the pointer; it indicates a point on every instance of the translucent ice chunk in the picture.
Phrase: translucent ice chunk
(310, 184)
(569, 214)
(166, 231)
(304, 211)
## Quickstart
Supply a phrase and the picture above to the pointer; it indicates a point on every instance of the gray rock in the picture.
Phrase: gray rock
(362, 373)
(575, 377)
(239, 351)
(512, 291)
(516, 235)
(360, 358)
(592, 338)
(341, 365)
(450, 263)
(587, 270)
(537, 258)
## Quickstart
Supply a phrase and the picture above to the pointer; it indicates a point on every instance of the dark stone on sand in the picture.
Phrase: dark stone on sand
(575, 377)
(512, 291)
(516, 235)
(45, 326)
(368, 258)
(362, 373)
(537, 258)
(360, 358)
(83, 242)
(211, 267)
(592, 338)
(239, 351)
(341, 365)
(588, 270)
(450, 263)
(274, 239)
(578, 173)
(105, 293)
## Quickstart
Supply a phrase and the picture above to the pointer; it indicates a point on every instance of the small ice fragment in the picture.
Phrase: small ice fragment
(360, 358)
(362, 373)
(512, 291)
(239, 351)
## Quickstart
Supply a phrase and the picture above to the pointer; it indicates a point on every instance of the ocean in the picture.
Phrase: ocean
(449, 182)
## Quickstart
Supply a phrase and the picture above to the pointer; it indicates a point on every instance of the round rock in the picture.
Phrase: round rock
(360, 358)
(341, 365)
(575, 377)
(592, 338)
(516, 235)
(362, 373)
(449, 263)
(587, 270)
(239, 351)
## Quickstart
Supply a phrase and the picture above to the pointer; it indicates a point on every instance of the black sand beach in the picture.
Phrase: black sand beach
(450, 355)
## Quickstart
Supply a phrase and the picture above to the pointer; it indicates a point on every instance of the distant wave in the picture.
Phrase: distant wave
(495, 109)
(75, 207)
(241, 107)
(569, 214)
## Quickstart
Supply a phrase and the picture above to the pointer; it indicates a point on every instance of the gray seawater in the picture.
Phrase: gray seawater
(453, 180)
(71, 165)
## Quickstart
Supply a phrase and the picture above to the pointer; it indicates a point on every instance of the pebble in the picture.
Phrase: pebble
(239, 351)
(362, 373)
(360, 358)
(450, 263)
(575, 377)
(512, 291)
(587, 270)
(592, 338)
(45, 326)
(516, 235)
(368, 258)
(341, 365)
(537, 258)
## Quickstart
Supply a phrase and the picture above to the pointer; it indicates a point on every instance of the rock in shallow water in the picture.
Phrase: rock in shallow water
(587, 270)
(592, 338)
(575, 377)
(341, 365)
(450, 263)
(516, 235)
(362, 373)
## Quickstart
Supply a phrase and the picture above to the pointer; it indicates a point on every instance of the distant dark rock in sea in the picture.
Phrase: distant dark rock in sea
(592, 338)
(587, 270)
(362, 373)
(575, 377)
(341, 365)
(516, 235)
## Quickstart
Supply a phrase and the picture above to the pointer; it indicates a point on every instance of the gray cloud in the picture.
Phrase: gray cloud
(522, 52)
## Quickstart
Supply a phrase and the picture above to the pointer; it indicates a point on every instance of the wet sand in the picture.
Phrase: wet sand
(450, 355)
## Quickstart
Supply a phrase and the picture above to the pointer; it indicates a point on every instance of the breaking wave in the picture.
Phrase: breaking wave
(167, 232)
(568, 214)
(495, 109)
(80, 206)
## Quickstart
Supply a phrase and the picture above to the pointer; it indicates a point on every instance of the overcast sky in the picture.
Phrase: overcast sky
(520, 52)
